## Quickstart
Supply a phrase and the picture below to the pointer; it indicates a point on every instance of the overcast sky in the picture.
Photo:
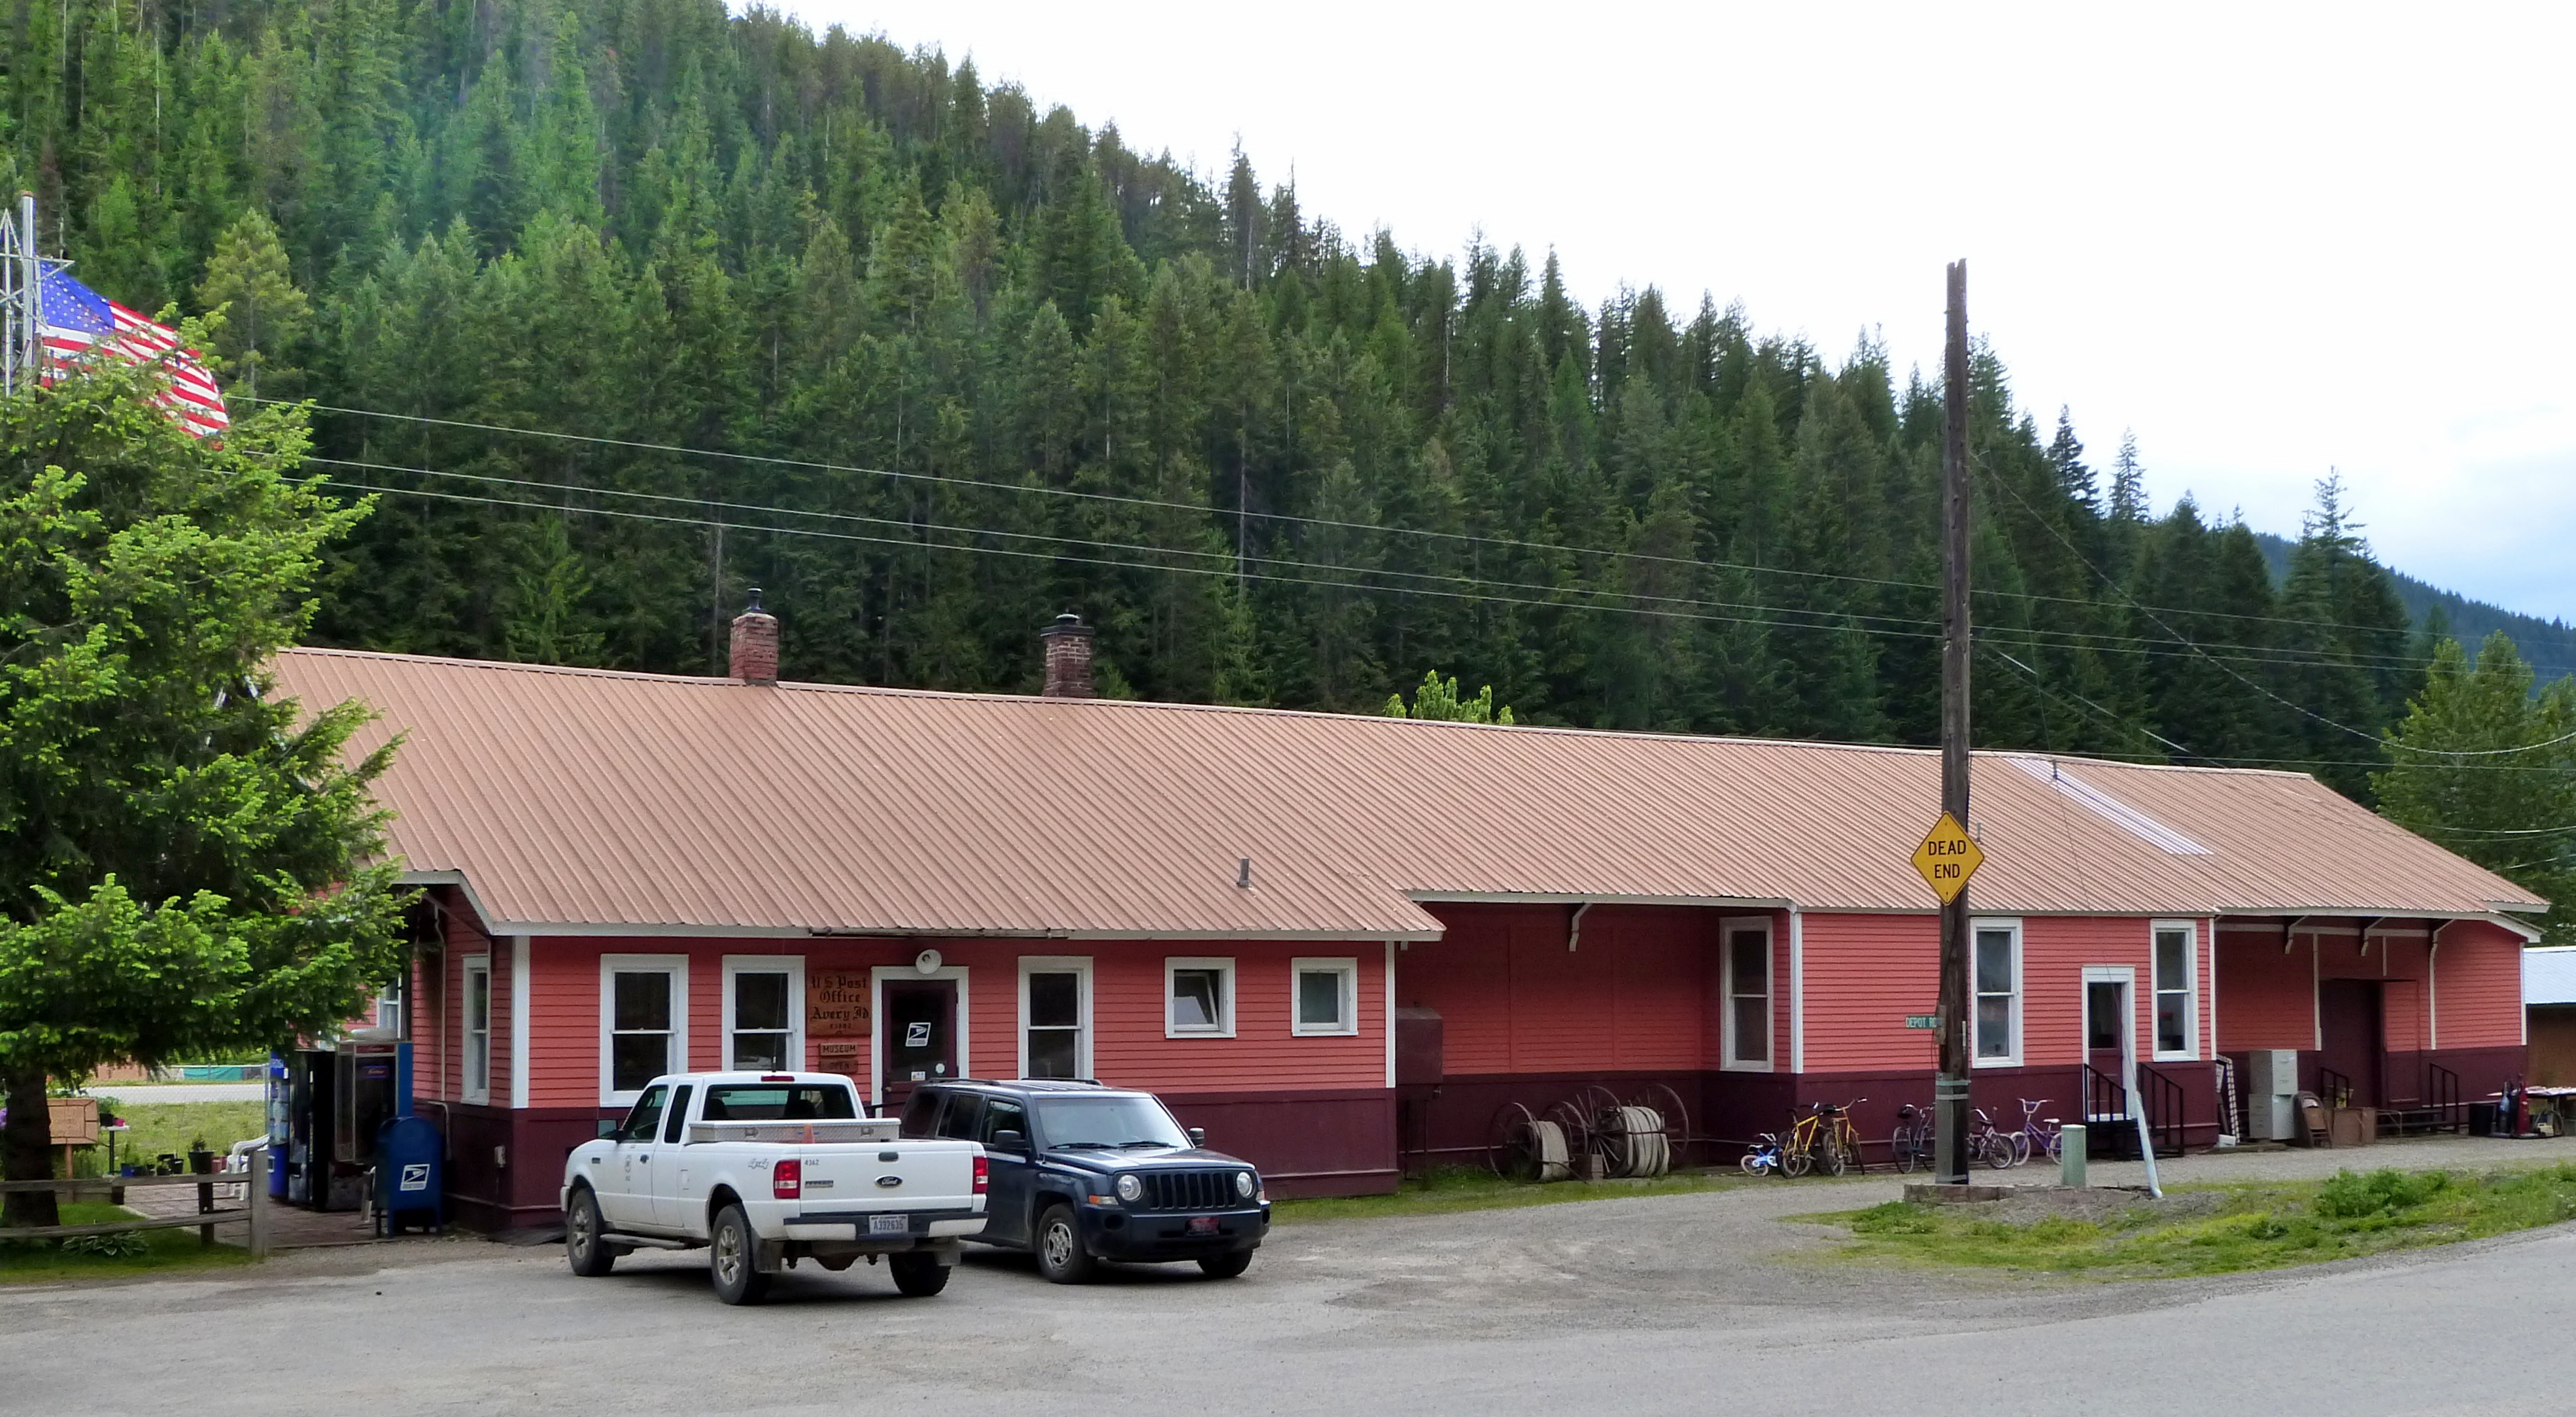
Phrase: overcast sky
(2273, 240)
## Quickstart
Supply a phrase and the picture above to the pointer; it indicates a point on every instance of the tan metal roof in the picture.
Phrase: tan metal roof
(576, 797)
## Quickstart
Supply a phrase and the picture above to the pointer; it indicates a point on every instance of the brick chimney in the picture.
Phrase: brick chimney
(1068, 658)
(755, 644)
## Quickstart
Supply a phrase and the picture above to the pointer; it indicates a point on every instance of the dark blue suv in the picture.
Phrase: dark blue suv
(1082, 1172)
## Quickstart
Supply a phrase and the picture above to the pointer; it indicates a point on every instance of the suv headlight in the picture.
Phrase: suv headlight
(1243, 1184)
(1130, 1189)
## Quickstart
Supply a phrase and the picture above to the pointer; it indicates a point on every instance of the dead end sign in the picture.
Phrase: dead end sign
(1948, 857)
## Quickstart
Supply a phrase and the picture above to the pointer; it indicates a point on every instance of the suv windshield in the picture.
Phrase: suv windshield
(1108, 1122)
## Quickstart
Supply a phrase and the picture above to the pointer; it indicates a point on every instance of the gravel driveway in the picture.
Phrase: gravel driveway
(1674, 1304)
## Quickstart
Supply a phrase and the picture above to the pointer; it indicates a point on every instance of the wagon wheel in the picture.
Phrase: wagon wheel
(1575, 1122)
(1677, 1133)
(1507, 1149)
(1600, 1108)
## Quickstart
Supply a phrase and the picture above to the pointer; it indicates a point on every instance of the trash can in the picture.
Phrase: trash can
(2482, 1119)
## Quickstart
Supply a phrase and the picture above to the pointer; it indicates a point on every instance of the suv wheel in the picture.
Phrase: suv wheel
(1061, 1257)
(733, 1259)
(1227, 1265)
(583, 1245)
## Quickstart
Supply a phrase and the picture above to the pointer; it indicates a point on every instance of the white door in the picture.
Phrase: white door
(626, 1192)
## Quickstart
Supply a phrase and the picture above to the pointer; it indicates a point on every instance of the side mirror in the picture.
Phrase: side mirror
(1014, 1142)
(607, 1128)
(1198, 1136)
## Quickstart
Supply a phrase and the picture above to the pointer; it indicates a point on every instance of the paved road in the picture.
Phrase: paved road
(138, 1093)
(1698, 1304)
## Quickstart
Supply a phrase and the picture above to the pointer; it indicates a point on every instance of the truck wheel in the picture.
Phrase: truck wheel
(583, 1246)
(1061, 1257)
(733, 1259)
(917, 1276)
(1227, 1265)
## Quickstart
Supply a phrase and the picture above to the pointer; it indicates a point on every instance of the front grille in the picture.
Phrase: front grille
(1189, 1190)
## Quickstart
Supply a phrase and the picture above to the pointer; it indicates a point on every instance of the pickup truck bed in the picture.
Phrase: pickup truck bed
(765, 1170)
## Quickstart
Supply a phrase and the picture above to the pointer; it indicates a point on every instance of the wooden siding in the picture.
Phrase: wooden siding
(2266, 999)
(1128, 1046)
(1865, 973)
(2477, 983)
(1633, 997)
(1263, 1055)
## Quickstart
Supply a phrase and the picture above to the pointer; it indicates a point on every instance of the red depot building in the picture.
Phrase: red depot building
(634, 873)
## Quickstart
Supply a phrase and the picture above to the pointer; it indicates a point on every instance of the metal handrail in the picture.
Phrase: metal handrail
(2442, 1097)
(2163, 1100)
(2333, 1088)
(2159, 1097)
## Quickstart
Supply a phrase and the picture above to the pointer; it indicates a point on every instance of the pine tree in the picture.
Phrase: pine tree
(263, 312)
(1008, 365)
(2485, 768)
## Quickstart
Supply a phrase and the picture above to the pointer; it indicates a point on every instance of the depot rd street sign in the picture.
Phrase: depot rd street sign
(1947, 858)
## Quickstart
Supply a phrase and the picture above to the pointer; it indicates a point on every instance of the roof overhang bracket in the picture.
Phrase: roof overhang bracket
(2290, 931)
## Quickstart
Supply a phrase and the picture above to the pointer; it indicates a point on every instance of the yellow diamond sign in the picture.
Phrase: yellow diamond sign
(1947, 858)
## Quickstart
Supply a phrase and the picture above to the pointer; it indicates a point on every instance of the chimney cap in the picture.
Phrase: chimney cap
(1067, 623)
(754, 607)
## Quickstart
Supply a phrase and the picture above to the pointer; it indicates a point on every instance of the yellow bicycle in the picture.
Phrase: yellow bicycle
(1824, 1140)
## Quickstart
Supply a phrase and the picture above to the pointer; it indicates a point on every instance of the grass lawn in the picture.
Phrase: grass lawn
(2218, 1229)
(163, 1251)
(159, 1127)
(1455, 1188)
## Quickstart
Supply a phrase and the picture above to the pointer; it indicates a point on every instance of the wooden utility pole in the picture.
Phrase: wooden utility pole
(1950, 1089)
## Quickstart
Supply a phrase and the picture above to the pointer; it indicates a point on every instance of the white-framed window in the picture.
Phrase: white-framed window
(2177, 1016)
(1324, 996)
(1746, 987)
(1994, 975)
(764, 1013)
(1055, 1016)
(643, 1023)
(1198, 998)
(477, 1044)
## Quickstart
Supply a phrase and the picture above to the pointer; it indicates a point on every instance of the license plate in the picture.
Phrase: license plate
(889, 1224)
(1202, 1224)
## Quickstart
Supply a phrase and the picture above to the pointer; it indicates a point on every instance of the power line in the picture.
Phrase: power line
(1997, 480)
(1227, 573)
(986, 485)
(1907, 627)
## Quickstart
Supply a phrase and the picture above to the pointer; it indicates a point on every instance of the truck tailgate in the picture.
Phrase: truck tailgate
(889, 1190)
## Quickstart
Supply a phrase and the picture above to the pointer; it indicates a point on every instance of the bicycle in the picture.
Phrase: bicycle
(1763, 1157)
(1825, 1137)
(1990, 1144)
(2040, 1135)
(1913, 1140)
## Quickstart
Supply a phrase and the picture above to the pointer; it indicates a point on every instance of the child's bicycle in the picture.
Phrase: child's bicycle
(1763, 1158)
(2037, 1134)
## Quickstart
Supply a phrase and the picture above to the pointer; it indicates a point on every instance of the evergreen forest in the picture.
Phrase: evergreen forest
(625, 307)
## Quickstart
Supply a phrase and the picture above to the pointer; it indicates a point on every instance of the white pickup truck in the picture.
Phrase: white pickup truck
(763, 1170)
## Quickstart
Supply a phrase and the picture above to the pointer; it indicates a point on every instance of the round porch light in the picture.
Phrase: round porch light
(927, 961)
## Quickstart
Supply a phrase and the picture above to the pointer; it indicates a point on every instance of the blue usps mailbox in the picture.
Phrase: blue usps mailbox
(410, 1179)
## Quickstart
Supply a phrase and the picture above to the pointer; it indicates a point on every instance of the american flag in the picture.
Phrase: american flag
(79, 323)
